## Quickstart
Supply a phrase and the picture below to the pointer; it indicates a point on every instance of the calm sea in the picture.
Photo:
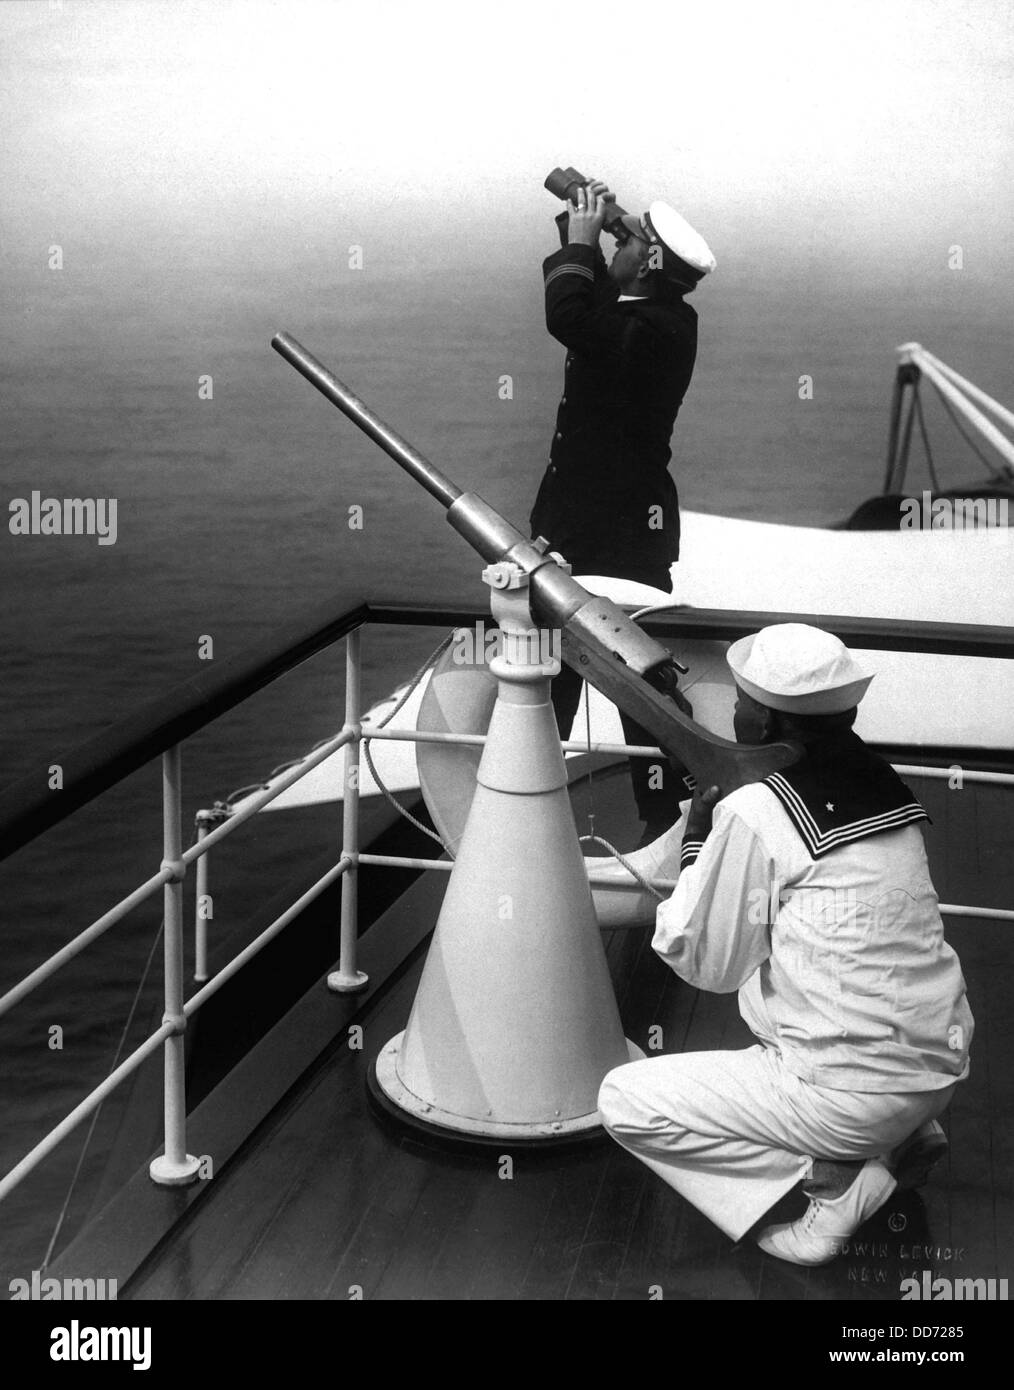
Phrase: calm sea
(232, 515)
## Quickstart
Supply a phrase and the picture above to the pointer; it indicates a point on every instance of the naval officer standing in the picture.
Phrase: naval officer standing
(810, 894)
(607, 502)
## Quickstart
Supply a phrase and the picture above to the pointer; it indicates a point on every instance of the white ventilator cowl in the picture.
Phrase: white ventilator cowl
(682, 240)
(798, 669)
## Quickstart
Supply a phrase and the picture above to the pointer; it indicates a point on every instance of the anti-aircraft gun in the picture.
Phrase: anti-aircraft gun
(598, 639)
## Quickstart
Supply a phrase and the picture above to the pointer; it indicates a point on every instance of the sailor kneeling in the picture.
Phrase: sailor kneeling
(857, 1002)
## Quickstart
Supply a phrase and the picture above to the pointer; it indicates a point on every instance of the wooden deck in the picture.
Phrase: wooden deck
(327, 1198)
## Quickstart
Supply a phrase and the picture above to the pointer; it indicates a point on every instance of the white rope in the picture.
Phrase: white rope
(635, 873)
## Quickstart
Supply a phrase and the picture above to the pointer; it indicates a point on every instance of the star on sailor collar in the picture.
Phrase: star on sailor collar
(829, 805)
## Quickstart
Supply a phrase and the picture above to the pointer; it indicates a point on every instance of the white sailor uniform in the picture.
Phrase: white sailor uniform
(856, 1000)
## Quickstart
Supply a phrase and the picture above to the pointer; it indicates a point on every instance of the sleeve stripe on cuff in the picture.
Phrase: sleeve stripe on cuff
(570, 270)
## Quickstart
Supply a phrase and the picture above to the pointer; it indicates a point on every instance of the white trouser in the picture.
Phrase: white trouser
(733, 1132)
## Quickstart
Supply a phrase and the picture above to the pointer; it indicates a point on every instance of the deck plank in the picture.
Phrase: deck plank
(490, 1259)
(345, 1160)
(440, 1215)
(608, 1227)
(556, 1247)
(292, 1151)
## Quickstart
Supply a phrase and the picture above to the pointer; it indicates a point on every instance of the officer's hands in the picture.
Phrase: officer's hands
(588, 215)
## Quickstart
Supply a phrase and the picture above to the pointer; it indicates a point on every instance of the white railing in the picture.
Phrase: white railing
(175, 1166)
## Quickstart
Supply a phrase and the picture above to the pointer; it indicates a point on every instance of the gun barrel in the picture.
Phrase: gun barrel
(359, 412)
(599, 640)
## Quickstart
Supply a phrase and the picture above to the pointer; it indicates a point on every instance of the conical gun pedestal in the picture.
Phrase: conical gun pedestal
(515, 1022)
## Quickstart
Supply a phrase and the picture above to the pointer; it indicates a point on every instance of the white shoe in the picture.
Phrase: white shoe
(819, 1234)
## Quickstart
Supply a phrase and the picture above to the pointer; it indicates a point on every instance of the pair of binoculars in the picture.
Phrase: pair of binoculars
(564, 183)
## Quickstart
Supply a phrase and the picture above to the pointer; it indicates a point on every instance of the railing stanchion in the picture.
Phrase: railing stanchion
(202, 903)
(175, 1166)
(347, 978)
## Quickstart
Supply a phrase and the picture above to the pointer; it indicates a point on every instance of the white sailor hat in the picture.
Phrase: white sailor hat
(685, 253)
(798, 669)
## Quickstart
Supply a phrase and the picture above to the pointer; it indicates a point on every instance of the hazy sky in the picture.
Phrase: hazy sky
(864, 124)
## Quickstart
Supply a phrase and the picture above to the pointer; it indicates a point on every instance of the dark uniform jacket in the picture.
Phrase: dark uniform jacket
(628, 368)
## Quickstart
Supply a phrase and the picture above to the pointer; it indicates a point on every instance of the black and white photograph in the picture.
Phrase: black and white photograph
(506, 601)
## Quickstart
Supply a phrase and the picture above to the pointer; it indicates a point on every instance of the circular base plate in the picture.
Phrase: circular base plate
(168, 1174)
(340, 982)
(393, 1100)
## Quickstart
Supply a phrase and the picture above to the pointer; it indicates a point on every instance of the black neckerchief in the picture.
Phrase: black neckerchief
(840, 791)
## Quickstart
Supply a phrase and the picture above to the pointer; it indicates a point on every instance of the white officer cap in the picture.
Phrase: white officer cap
(690, 252)
(798, 669)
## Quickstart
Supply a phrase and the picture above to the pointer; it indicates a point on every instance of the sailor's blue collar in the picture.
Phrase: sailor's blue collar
(840, 791)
